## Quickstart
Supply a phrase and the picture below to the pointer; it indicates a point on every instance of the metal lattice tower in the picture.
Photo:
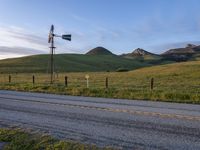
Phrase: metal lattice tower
(52, 49)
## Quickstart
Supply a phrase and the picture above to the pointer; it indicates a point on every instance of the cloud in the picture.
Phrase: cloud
(18, 37)
(32, 38)
(19, 50)
(16, 41)
(9, 52)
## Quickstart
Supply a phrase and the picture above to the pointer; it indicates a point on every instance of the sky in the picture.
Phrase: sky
(118, 25)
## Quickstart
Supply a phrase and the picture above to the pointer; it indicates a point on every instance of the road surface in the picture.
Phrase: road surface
(2, 144)
(124, 124)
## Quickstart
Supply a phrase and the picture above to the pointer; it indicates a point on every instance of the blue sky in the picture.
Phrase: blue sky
(119, 25)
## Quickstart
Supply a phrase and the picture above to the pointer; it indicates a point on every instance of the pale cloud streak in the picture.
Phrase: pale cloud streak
(19, 37)
(19, 50)
(16, 42)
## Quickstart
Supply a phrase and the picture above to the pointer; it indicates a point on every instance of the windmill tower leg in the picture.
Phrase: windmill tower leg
(52, 60)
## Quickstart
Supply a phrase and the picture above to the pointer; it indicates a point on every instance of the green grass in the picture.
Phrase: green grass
(73, 63)
(18, 139)
(179, 82)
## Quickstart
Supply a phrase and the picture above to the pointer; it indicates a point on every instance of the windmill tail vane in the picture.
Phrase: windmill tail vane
(52, 48)
(67, 37)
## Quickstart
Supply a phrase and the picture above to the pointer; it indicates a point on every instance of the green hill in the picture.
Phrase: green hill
(69, 63)
(142, 55)
(188, 53)
(139, 53)
(99, 51)
(98, 59)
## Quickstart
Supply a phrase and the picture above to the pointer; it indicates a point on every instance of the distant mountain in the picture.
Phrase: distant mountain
(142, 55)
(138, 52)
(99, 51)
(182, 54)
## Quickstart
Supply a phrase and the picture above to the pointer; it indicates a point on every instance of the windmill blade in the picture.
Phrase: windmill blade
(51, 33)
(49, 38)
(52, 28)
(67, 37)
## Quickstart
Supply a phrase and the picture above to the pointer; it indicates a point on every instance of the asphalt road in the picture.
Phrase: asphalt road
(2, 144)
(123, 124)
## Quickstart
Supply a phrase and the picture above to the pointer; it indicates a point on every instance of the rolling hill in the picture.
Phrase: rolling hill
(99, 59)
(142, 55)
(68, 63)
(138, 53)
(190, 52)
(99, 51)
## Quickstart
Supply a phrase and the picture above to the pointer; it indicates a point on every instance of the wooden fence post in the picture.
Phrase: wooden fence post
(33, 79)
(106, 82)
(87, 80)
(9, 79)
(152, 83)
(66, 82)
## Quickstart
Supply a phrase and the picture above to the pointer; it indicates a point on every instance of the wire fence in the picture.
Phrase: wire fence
(77, 80)
(119, 81)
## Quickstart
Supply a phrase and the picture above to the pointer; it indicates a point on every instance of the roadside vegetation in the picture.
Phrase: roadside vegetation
(17, 139)
(178, 82)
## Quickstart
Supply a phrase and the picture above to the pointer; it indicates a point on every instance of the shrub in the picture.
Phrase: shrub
(122, 70)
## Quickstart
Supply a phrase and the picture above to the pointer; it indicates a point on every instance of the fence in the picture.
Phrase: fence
(142, 82)
(95, 80)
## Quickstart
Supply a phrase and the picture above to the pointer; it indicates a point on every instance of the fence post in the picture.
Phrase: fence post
(66, 82)
(106, 82)
(33, 79)
(152, 83)
(9, 78)
(87, 80)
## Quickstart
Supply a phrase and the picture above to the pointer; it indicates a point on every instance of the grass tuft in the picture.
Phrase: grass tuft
(22, 140)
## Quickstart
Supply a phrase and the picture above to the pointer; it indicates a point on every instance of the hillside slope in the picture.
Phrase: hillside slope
(190, 52)
(98, 59)
(138, 52)
(142, 55)
(68, 63)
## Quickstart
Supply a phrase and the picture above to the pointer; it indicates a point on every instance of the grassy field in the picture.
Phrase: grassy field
(179, 82)
(25, 140)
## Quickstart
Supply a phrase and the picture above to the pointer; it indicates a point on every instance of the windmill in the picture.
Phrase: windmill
(52, 48)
